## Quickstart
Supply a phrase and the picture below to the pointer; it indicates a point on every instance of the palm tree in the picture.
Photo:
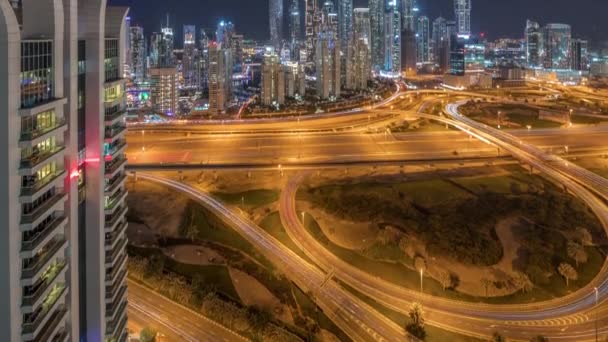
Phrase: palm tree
(576, 252)
(486, 284)
(568, 272)
(416, 323)
(522, 282)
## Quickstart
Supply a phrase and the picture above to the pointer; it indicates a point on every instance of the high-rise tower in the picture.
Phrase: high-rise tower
(189, 56)
(276, 22)
(423, 37)
(138, 53)
(63, 265)
(392, 42)
(534, 44)
(377, 17)
(345, 21)
(462, 12)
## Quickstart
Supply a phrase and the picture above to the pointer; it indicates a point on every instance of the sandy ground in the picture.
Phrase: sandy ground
(344, 233)
(252, 292)
(470, 276)
(192, 254)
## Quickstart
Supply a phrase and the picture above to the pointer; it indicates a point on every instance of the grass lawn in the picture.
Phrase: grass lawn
(273, 225)
(216, 275)
(400, 274)
(525, 120)
(586, 120)
(210, 228)
(433, 334)
(251, 198)
(424, 192)
(498, 184)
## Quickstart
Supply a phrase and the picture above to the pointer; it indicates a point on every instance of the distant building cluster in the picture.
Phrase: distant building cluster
(328, 48)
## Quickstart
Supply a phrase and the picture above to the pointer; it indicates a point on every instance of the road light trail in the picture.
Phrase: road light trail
(335, 302)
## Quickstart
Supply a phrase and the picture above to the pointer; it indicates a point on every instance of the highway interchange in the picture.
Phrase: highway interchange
(566, 319)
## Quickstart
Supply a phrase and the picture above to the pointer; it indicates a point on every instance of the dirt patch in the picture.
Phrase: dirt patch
(471, 277)
(252, 292)
(158, 207)
(344, 233)
(194, 255)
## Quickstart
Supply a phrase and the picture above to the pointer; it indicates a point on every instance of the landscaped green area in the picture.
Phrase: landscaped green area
(419, 126)
(455, 218)
(511, 115)
(211, 286)
(272, 224)
(251, 198)
(433, 334)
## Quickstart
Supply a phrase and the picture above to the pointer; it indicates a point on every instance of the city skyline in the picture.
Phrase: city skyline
(509, 23)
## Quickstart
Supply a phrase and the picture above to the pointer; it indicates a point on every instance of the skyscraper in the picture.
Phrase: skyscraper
(188, 60)
(63, 270)
(534, 44)
(165, 52)
(163, 89)
(295, 26)
(408, 14)
(311, 18)
(276, 22)
(345, 21)
(377, 18)
(438, 36)
(358, 64)
(462, 12)
(202, 60)
(220, 73)
(423, 38)
(392, 42)
(409, 55)
(273, 80)
(557, 46)
(138, 53)
(580, 58)
(328, 65)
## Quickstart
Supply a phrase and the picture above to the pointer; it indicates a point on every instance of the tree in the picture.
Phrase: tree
(445, 278)
(568, 272)
(191, 232)
(497, 337)
(147, 334)
(486, 284)
(584, 237)
(522, 282)
(577, 253)
(539, 338)
(416, 322)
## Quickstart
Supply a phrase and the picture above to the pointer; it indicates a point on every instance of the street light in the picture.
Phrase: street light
(596, 308)
(303, 217)
(421, 278)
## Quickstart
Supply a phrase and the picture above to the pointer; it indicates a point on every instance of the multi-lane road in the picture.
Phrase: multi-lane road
(355, 318)
(566, 319)
(172, 321)
(238, 149)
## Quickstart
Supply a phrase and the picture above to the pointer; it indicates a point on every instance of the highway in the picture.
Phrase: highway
(172, 321)
(277, 149)
(358, 320)
(548, 318)
(571, 318)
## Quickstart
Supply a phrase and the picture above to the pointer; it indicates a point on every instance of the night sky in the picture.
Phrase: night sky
(497, 18)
